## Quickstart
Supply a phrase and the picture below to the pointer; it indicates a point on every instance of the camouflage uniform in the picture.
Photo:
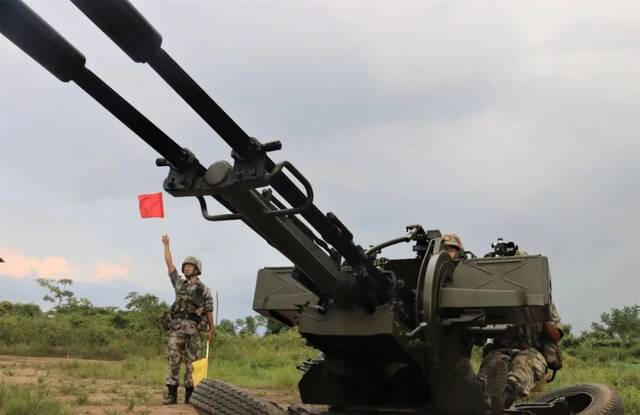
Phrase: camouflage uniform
(528, 354)
(193, 302)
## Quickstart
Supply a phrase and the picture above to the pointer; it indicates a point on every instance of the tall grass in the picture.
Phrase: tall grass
(77, 335)
(254, 362)
(260, 362)
(624, 378)
(28, 400)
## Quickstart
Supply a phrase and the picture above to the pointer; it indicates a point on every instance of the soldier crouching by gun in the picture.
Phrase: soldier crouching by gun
(186, 318)
(518, 362)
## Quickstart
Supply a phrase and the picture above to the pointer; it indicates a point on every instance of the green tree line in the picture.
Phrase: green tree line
(616, 337)
(75, 327)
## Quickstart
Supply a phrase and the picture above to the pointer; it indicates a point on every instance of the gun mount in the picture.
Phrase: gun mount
(502, 248)
(392, 332)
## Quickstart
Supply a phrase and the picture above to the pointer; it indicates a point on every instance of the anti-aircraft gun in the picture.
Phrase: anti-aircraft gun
(392, 332)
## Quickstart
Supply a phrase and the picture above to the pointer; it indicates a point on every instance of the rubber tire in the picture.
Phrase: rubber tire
(214, 397)
(297, 409)
(604, 400)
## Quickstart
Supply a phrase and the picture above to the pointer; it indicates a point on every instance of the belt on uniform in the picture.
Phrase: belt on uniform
(188, 316)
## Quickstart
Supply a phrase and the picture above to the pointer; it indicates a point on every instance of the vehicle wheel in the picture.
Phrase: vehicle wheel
(301, 409)
(213, 397)
(587, 399)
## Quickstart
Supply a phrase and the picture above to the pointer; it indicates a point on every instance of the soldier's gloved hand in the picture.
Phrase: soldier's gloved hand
(211, 336)
(555, 365)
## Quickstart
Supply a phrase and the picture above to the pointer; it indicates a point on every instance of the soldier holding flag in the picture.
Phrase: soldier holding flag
(191, 311)
(193, 302)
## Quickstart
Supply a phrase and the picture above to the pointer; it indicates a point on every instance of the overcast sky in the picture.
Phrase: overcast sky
(511, 119)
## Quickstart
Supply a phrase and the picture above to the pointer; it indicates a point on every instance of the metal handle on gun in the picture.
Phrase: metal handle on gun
(277, 170)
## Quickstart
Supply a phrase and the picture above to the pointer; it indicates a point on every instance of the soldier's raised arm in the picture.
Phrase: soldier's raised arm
(168, 259)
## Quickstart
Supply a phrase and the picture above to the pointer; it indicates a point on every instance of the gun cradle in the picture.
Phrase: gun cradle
(378, 359)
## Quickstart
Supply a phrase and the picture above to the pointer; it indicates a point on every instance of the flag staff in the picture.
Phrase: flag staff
(217, 308)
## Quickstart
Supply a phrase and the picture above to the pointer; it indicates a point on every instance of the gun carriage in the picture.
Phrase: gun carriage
(391, 332)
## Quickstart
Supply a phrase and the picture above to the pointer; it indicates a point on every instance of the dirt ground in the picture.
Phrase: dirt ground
(96, 396)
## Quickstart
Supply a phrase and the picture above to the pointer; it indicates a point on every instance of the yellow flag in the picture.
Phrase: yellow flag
(201, 368)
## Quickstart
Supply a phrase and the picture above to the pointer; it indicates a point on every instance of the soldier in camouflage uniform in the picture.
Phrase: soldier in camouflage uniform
(193, 302)
(453, 245)
(522, 357)
(517, 362)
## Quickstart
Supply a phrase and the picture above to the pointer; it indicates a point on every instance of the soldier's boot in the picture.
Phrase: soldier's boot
(510, 393)
(464, 369)
(496, 376)
(172, 395)
(187, 394)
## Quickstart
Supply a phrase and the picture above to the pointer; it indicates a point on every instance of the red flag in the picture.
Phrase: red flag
(151, 205)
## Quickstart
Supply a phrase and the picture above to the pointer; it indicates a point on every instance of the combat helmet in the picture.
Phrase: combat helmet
(193, 261)
(453, 240)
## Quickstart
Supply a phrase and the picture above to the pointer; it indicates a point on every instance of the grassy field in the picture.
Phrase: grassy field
(623, 377)
(130, 376)
(260, 365)
(21, 400)
(269, 364)
(58, 386)
(263, 365)
(252, 362)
